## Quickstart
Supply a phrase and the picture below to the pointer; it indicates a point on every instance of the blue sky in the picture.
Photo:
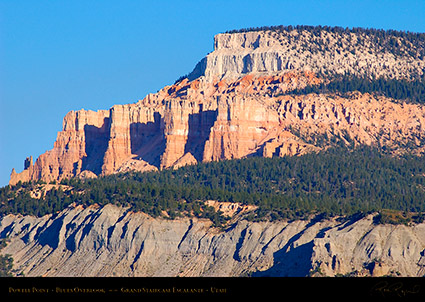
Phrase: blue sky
(57, 56)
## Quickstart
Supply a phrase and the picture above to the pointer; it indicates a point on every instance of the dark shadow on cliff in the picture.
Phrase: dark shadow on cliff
(81, 230)
(96, 144)
(6, 231)
(239, 245)
(200, 125)
(295, 263)
(292, 261)
(148, 140)
(51, 235)
(198, 71)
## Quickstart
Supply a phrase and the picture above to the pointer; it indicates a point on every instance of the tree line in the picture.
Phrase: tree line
(410, 91)
(338, 181)
(388, 40)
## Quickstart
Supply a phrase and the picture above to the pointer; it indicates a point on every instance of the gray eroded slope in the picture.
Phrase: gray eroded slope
(112, 241)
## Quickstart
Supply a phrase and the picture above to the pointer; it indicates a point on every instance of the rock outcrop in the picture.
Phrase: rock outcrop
(197, 121)
(235, 104)
(113, 241)
(268, 51)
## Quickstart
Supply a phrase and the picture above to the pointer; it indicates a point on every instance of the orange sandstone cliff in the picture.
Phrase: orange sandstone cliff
(235, 104)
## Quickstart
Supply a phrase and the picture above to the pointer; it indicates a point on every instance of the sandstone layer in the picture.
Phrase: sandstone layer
(235, 104)
(199, 121)
(113, 241)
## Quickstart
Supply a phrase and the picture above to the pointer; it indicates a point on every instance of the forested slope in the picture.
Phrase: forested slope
(333, 182)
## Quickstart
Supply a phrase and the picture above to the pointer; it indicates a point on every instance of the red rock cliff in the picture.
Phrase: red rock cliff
(234, 105)
(196, 121)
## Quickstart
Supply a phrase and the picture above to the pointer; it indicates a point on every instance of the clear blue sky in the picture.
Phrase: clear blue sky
(57, 56)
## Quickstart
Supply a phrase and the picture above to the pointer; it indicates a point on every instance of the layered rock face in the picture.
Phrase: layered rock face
(235, 104)
(113, 241)
(76, 148)
(327, 52)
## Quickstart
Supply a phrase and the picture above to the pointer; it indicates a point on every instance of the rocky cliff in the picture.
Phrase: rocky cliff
(236, 104)
(113, 241)
(320, 51)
